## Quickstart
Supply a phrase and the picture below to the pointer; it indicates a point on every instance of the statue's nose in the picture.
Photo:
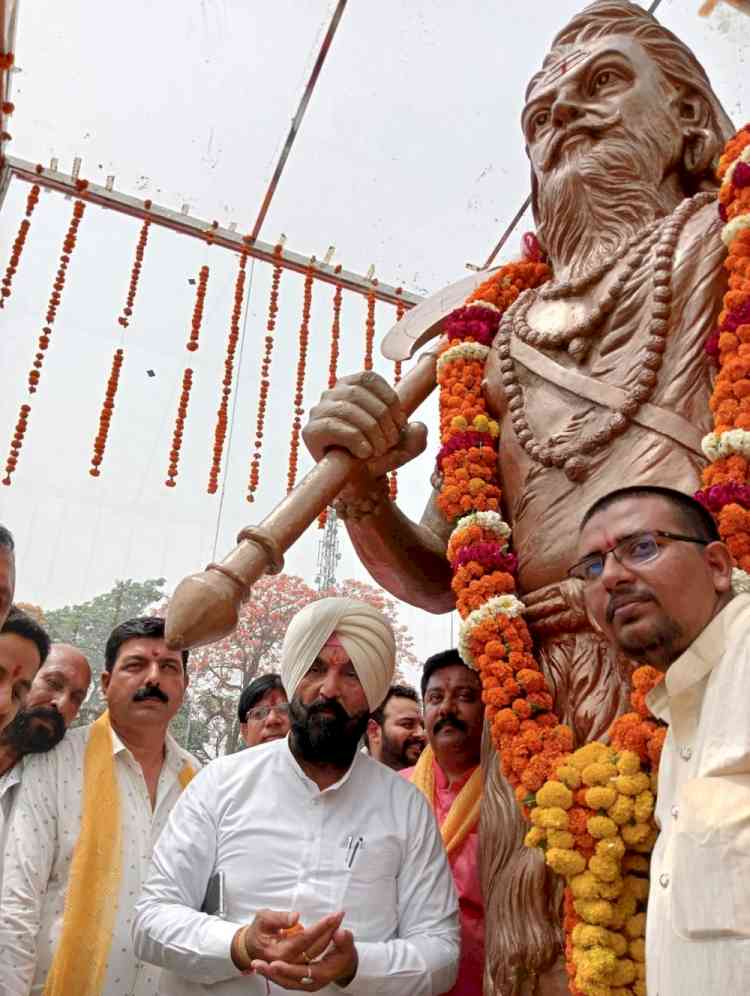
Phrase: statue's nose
(564, 111)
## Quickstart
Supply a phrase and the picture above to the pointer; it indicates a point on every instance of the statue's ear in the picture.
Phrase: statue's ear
(701, 145)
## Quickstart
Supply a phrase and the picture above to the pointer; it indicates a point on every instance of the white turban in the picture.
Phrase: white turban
(364, 633)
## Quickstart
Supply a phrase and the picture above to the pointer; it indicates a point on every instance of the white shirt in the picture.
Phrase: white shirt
(282, 844)
(39, 850)
(9, 782)
(698, 923)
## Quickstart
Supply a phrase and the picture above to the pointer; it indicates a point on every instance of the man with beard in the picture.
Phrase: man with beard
(395, 731)
(23, 648)
(658, 581)
(449, 775)
(56, 695)
(598, 375)
(263, 711)
(84, 822)
(329, 868)
(7, 575)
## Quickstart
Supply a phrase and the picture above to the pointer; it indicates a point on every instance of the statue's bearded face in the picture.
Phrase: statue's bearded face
(603, 136)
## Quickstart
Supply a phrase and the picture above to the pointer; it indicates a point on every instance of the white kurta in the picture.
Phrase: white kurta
(282, 844)
(42, 836)
(698, 923)
(9, 782)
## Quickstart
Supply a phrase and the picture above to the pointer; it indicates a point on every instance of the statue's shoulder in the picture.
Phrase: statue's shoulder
(700, 250)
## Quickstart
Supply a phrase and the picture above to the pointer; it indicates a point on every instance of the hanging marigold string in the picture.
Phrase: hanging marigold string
(105, 417)
(16, 442)
(333, 361)
(299, 390)
(135, 273)
(265, 369)
(370, 326)
(220, 431)
(179, 427)
(393, 478)
(726, 480)
(18, 244)
(200, 298)
(69, 243)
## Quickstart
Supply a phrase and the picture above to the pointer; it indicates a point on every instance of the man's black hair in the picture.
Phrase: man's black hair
(151, 627)
(394, 692)
(6, 539)
(446, 658)
(697, 519)
(254, 692)
(24, 625)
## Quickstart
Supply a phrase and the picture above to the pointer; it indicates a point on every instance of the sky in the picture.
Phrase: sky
(409, 160)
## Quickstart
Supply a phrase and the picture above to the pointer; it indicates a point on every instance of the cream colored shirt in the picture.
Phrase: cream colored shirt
(39, 849)
(698, 922)
(9, 782)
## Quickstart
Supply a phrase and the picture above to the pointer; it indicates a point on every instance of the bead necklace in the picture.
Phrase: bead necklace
(569, 456)
(576, 338)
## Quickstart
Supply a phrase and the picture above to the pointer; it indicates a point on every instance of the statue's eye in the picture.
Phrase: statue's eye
(539, 120)
(602, 79)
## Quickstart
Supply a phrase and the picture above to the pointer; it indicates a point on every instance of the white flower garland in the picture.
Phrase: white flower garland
(744, 157)
(463, 351)
(716, 446)
(491, 522)
(740, 582)
(506, 605)
(733, 228)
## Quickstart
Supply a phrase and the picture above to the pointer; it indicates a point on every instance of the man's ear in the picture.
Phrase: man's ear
(701, 146)
(374, 733)
(721, 563)
(105, 676)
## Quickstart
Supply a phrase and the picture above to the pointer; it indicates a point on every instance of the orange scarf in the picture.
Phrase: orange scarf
(464, 812)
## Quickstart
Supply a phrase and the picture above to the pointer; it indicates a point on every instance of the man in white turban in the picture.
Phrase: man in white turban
(304, 864)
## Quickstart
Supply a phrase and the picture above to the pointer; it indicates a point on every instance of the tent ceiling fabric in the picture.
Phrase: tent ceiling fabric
(409, 158)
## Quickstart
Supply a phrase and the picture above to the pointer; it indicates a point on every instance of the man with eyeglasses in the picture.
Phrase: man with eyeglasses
(658, 582)
(263, 711)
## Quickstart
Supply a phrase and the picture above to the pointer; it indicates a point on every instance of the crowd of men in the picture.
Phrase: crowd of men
(340, 851)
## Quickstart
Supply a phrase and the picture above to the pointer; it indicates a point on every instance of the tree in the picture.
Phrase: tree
(88, 625)
(220, 671)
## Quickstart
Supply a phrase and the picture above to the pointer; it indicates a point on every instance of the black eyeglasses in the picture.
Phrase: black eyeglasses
(631, 551)
(262, 713)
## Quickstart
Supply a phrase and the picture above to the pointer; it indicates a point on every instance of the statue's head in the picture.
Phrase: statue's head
(620, 124)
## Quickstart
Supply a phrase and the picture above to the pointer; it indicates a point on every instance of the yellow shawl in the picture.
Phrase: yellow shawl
(464, 812)
(81, 955)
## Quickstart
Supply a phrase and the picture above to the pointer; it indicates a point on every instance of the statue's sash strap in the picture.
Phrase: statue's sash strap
(650, 416)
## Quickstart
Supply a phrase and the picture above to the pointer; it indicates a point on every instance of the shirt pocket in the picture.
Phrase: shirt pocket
(711, 858)
(370, 896)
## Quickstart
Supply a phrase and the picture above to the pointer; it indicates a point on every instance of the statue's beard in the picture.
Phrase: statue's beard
(599, 195)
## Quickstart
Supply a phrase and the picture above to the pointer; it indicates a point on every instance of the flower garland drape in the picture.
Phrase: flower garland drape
(591, 809)
(19, 244)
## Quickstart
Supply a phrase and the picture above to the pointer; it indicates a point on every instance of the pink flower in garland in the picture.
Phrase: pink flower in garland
(475, 323)
(490, 555)
(716, 497)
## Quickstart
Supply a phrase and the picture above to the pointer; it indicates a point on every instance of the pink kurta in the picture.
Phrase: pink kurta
(464, 862)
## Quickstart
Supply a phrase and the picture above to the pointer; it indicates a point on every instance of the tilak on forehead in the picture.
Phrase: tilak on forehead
(559, 64)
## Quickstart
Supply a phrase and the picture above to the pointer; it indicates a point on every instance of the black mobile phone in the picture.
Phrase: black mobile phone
(213, 904)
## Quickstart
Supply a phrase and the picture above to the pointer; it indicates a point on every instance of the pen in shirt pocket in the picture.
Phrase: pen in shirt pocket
(353, 848)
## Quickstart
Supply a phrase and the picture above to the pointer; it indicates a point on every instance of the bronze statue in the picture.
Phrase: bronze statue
(599, 379)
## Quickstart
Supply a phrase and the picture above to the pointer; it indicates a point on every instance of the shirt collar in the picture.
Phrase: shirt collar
(174, 757)
(294, 765)
(700, 658)
(10, 778)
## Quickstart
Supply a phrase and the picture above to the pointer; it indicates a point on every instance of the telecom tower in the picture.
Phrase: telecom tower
(329, 554)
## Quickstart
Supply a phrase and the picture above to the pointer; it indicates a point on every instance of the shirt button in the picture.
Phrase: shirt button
(664, 880)
(675, 811)
(686, 753)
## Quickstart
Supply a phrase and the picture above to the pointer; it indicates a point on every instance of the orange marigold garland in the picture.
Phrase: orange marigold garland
(200, 300)
(106, 414)
(18, 244)
(726, 480)
(370, 326)
(69, 243)
(265, 368)
(591, 810)
(135, 274)
(179, 427)
(393, 477)
(333, 361)
(299, 390)
(220, 430)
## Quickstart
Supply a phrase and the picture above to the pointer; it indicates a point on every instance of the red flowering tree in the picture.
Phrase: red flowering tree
(220, 671)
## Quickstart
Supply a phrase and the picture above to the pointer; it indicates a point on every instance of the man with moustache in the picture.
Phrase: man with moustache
(334, 875)
(57, 693)
(658, 581)
(596, 376)
(395, 731)
(449, 775)
(84, 823)
(263, 710)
